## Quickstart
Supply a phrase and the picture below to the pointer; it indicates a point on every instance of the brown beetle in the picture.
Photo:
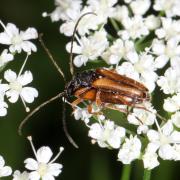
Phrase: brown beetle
(106, 88)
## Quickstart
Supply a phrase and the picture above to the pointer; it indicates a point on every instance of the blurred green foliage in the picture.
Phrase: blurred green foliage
(89, 162)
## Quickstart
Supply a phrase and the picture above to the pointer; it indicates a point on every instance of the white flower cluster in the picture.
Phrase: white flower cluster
(139, 44)
(13, 85)
(41, 168)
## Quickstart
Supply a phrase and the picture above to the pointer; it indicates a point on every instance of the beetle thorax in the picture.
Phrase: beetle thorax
(83, 79)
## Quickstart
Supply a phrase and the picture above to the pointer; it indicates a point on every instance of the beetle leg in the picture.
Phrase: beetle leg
(109, 106)
(90, 110)
(98, 98)
(81, 91)
(76, 102)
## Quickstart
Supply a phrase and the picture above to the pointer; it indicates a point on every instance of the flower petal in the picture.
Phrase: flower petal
(28, 94)
(31, 164)
(25, 78)
(10, 75)
(55, 169)
(44, 154)
(5, 171)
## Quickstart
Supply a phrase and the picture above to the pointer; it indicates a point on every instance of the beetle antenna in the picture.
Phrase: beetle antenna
(50, 56)
(71, 140)
(37, 109)
(72, 40)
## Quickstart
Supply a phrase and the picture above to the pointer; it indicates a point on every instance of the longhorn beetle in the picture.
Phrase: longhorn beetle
(102, 86)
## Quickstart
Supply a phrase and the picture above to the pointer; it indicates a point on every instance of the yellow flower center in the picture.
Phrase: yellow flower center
(42, 170)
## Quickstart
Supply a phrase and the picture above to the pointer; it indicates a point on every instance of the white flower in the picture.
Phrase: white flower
(20, 176)
(170, 82)
(89, 48)
(171, 7)
(140, 7)
(108, 134)
(142, 118)
(172, 104)
(150, 158)
(134, 27)
(83, 114)
(103, 8)
(4, 170)
(130, 150)
(165, 52)
(42, 167)
(65, 9)
(164, 139)
(169, 29)
(176, 118)
(3, 104)
(18, 40)
(152, 22)
(5, 57)
(120, 49)
(16, 86)
(120, 13)
(87, 23)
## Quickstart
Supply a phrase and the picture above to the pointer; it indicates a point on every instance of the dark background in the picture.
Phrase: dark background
(89, 162)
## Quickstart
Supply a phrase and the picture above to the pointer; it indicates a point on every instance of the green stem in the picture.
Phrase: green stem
(115, 25)
(147, 174)
(126, 172)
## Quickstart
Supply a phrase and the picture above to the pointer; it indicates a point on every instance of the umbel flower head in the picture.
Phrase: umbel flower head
(138, 39)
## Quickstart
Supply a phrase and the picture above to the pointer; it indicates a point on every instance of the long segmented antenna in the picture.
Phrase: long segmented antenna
(37, 109)
(72, 40)
(65, 127)
(51, 57)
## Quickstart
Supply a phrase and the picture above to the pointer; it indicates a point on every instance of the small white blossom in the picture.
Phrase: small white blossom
(3, 104)
(171, 7)
(83, 114)
(130, 150)
(103, 8)
(134, 27)
(170, 82)
(65, 9)
(169, 29)
(4, 170)
(142, 118)
(176, 119)
(164, 139)
(42, 167)
(152, 22)
(107, 135)
(88, 22)
(89, 48)
(150, 158)
(120, 13)
(20, 176)
(16, 86)
(140, 7)
(169, 51)
(5, 57)
(18, 40)
(172, 104)
(120, 49)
